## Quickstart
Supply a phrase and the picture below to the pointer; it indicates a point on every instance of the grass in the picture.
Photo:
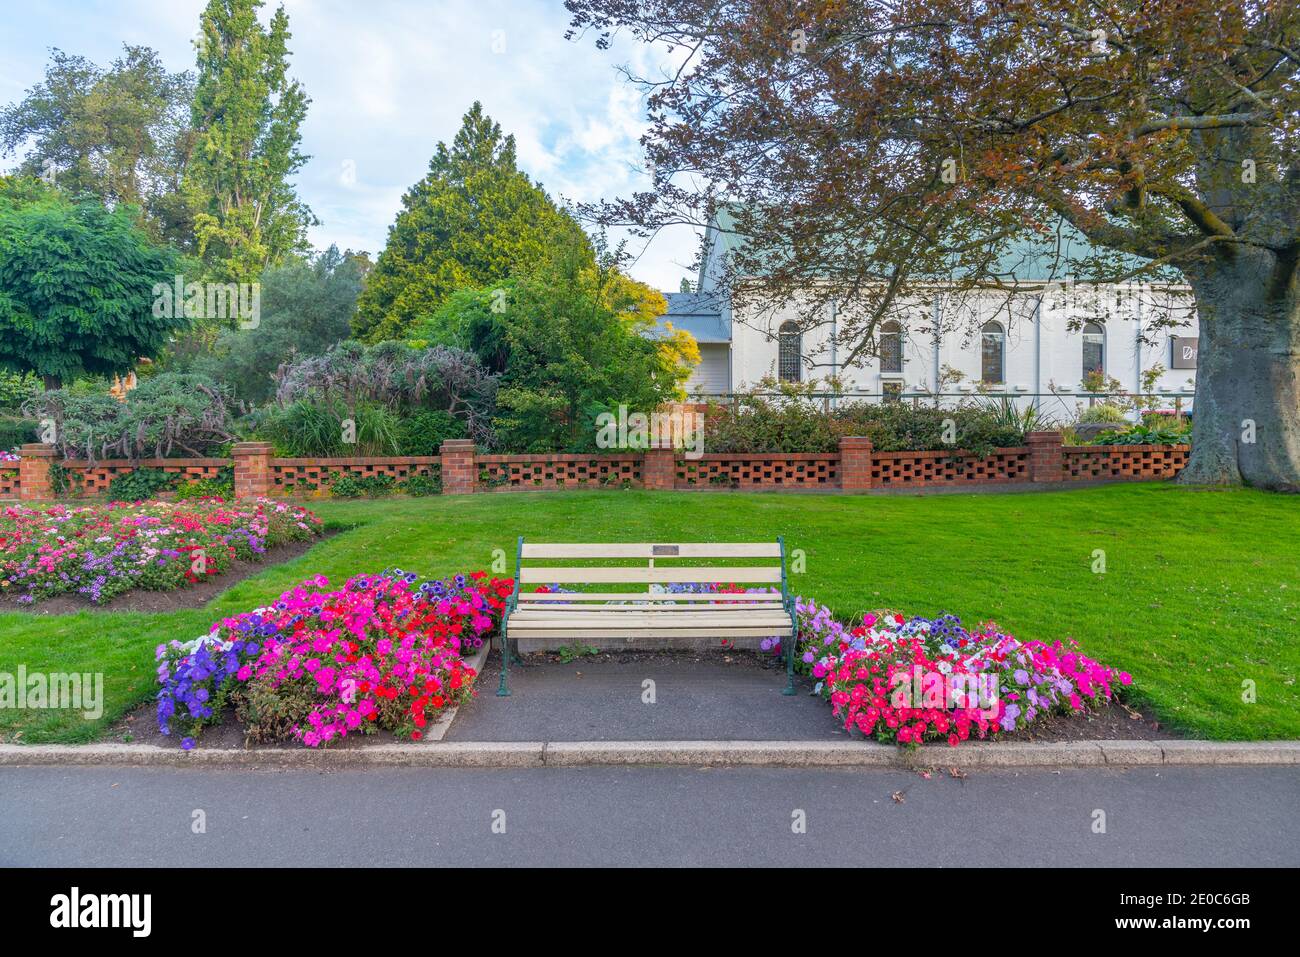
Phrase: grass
(1201, 589)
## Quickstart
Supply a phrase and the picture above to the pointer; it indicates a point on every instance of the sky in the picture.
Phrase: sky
(388, 80)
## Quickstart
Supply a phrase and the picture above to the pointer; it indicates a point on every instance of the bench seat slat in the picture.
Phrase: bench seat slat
(656, 607)
(581, 596)
(652, 632)
(672, 621)
(541, 574)
(648, 550)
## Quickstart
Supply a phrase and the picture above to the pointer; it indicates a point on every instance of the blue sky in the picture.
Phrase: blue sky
(389, 79)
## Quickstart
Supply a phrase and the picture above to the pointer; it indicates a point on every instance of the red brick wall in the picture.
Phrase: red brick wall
(889, 469)
(499, 473)
(1082, 462)
(9, 480)
(857, 466)
(308, 476)
(741, 470)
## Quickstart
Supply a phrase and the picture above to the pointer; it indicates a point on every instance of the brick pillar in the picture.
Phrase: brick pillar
(855, 463)
(459, 476)
(1045, 459)
(659, 468)
(252, 469)
(34, 461)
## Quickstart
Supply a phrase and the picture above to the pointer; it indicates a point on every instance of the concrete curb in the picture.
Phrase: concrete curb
(806, 754)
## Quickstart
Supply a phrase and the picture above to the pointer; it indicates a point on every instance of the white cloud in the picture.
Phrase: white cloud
(389, 79)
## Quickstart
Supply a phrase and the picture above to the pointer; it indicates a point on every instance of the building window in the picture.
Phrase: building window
(993, 347)
(1094, 349)
(891, 347)
(789, 363)
(892, 391)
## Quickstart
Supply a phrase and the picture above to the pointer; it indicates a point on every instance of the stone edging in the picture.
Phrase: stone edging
(820, 754)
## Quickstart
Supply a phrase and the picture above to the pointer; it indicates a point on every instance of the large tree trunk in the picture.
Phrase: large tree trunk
(1246, 421)
(52, 382)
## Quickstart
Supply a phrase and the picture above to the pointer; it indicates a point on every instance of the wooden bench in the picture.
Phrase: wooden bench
(590, 615)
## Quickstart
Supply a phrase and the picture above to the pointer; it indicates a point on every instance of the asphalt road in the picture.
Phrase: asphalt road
(1209, 816)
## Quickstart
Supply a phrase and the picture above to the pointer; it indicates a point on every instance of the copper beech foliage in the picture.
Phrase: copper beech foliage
(877, 145)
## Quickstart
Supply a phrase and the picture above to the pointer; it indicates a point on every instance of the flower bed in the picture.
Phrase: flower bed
(101, 551)
(384, 651)
(910, 680)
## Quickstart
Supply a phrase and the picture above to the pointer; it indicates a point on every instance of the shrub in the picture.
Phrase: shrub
(1103, 412)
(399, 378)
(345, 485)
(15, 431)
(319, 429)
(17, 387)
(139, 485)
(422, 485)
(423, 433)
(167, 414)
(1147, 435)
(798, 423)
(222, 487)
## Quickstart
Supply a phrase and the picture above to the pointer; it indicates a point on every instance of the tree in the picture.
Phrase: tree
(76, 289)
(247, 115)
(878, 145)
(569, 343)
(474, 219)
(121, 134)
(307, 306)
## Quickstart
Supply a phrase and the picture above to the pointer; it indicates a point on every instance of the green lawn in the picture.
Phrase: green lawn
(1201, 590)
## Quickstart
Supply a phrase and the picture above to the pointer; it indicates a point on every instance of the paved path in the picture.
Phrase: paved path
(636, 816)
(602, 699)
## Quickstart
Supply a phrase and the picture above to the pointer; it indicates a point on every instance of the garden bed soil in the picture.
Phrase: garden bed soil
(177, 599)
(140, 726)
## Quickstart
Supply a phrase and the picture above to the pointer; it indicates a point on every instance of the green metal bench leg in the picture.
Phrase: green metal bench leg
(789, 662)
(503, 691)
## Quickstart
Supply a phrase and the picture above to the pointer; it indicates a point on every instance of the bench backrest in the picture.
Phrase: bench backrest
(554, 571)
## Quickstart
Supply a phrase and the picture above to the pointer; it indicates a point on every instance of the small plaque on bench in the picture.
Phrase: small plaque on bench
(664, 550)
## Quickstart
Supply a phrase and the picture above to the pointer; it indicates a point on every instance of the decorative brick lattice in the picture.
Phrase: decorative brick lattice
(9, 481)
(789, 470)
(949, 468)
(307, 476)
(1124, 461)
(86, 479)
(523, 472)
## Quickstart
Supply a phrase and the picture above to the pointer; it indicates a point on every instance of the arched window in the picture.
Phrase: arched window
(891, 347)
(1094, 349)
(993, 347)
(789, 364)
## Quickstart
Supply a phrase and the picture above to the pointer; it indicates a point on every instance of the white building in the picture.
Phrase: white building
(1035, 342)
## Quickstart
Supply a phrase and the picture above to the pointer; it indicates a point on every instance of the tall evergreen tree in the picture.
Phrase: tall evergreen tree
(474, 219)
(248, 116)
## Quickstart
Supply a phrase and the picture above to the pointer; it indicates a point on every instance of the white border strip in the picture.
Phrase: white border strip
(808, 754)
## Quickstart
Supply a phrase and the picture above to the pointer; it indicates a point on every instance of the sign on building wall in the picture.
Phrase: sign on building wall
(1182, 353)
